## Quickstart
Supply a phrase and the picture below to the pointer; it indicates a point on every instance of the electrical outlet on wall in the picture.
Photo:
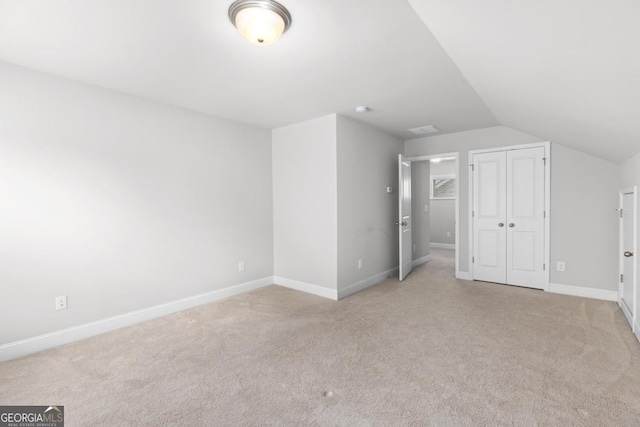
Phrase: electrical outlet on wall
(360, 264)
(61, 302)
(448, 234)
(561, 266)
(241, 266)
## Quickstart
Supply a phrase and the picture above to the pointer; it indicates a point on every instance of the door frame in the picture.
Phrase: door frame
(456, 155)
(547, 202)
(634, 316)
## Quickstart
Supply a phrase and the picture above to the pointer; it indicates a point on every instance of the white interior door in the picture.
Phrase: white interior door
(509, 217)
(489, 212)
(628, 254)
(525, 217)
(404, 215)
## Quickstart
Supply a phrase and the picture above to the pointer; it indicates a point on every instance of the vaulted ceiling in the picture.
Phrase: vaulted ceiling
(567, 71)
(564, 71)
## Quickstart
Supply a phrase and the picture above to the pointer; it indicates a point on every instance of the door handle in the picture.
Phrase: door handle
(404, 224)
(501, 224)
(511, 225)
(628, 254)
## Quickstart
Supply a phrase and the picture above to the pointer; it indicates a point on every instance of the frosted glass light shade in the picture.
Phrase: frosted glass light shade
(260, 21)
(259, 26)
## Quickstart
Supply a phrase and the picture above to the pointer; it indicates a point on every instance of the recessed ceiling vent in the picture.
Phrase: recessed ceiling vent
(423, 130)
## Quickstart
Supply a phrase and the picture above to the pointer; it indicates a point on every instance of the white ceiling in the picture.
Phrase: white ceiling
(564, 70)
(338, 54)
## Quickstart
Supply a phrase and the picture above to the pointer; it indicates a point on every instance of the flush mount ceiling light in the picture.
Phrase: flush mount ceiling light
(260, 21)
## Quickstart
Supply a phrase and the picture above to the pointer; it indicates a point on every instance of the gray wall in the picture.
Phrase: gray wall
(367, 165)
(584, 224)
(630, 173)
(443, 211)
(583, 191)
(331, 208)
(305, 202)
(121, 203)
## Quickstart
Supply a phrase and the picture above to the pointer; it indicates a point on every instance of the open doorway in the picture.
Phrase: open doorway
(442, 210)
(434, 210)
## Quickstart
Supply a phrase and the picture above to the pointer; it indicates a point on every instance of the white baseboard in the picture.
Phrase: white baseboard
(306, 287)
(443, 245)
(580, 291)
(464, 275)
(363, 284)
(420, 261)
(626, 312)
(65, 336)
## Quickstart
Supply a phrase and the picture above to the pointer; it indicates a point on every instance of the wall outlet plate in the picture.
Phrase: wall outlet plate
(61, 302)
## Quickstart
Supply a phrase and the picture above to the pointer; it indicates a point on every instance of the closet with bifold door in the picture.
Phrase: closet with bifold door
(509, 215)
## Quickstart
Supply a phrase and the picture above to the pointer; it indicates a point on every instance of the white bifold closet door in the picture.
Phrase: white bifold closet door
(508, 217)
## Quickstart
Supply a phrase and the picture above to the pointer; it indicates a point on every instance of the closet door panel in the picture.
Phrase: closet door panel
(489, 209)
(525, 217)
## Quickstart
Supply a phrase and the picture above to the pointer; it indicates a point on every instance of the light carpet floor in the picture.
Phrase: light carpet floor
(428, 351)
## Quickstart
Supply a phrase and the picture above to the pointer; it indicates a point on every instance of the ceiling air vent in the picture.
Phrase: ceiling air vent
(423, 130)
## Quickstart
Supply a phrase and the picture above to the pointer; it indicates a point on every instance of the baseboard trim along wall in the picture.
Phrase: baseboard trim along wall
(54, 339)
(306, 287)
(579, 291)
(420, 261)
(442, 245)
(364, 284)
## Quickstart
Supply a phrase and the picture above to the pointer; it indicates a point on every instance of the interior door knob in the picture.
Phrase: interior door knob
(628, 254)
(501, 224)
(404, 223)
(511, 225)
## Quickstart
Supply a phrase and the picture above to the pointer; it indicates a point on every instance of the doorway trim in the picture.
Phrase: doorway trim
(456, 155)
(634, 316)
(547, 203)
